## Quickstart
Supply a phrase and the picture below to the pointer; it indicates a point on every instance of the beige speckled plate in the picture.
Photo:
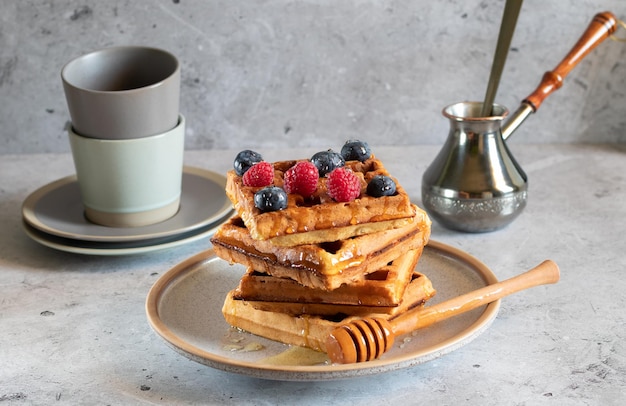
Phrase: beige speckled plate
(184, 308)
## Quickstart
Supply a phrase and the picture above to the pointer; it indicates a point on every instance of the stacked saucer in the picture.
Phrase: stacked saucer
(54, 216)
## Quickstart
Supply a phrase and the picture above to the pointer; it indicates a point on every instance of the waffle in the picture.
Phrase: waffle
(382, 290)
(310, 330)
(324, 266)
(420, 285)
(319, 218)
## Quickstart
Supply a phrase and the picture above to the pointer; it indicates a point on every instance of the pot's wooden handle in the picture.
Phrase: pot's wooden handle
(601, 27)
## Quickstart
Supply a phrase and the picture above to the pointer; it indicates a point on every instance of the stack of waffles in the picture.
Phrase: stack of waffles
(318, 263)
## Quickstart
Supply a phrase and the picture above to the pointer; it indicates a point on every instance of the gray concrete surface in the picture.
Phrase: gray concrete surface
(73, 328)
(309, 73)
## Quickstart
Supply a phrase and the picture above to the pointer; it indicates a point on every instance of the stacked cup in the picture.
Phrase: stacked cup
(127, 135)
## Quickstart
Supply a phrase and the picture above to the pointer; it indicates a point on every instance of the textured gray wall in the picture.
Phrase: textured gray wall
(314, 73)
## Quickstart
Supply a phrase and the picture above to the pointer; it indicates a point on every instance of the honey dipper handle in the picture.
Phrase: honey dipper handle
(545, 273)
(601, 27)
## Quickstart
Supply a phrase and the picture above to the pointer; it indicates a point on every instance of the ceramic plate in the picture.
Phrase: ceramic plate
(122, 248)
(56, 209)
(184, 308)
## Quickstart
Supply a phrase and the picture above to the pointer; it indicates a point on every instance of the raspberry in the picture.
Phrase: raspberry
(302, 179)
(259, 175)
(343, 185)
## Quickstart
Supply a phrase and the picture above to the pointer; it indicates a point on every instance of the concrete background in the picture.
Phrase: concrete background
(315, 73)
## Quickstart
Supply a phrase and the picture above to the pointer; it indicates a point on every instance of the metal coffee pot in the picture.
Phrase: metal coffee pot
(474, 184)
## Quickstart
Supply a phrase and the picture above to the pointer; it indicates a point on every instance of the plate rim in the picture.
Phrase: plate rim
(29, 212)
(317, 372)
(162, 243)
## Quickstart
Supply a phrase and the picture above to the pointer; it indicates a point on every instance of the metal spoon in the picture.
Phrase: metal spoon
(507, 27)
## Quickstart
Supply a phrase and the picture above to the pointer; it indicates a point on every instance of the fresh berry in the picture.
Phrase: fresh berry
(381, 185)
(271, 198)
(302, 179)
(261, 174)
(355, 150)
(343, 185)
(326, 161)
(244, 160)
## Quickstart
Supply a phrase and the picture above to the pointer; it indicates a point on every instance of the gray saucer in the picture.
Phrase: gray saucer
(56, 210)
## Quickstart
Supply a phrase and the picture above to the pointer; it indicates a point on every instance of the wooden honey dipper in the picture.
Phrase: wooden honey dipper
(368, 338)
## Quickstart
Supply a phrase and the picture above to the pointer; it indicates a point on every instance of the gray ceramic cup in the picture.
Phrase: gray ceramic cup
(123, 92)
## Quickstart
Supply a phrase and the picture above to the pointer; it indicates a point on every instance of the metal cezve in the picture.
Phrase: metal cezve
(474, 184)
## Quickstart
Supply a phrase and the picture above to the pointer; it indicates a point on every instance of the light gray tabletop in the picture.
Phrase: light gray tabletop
(73, 328)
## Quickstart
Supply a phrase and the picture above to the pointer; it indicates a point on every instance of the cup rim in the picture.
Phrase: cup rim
(119, 48)
(179, 124)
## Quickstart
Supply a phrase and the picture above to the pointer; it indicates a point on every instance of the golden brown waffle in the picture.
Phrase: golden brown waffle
(421, 285)
(319, 218)
(380, 291)
(323, 265)
(310, 330)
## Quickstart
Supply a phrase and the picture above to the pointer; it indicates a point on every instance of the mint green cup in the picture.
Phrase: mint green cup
(130, 182)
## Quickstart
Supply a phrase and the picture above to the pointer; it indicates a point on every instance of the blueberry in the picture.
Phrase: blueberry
(355, 150)
(326, 161)
(271, 198)
(244, 160)
(381, 185)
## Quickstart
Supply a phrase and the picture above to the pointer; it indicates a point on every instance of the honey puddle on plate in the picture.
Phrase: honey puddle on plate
(297, 356)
